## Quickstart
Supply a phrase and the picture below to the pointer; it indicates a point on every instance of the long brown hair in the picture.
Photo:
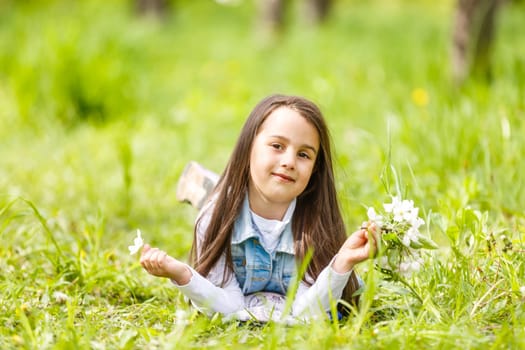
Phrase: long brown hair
(317, 221)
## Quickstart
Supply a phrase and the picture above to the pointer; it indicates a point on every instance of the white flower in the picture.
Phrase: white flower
(406, 240)
(60, 297)
(374, 217)
(405, 211)
(404, 268)
(410, 236)
(415, 266)
(137, 244)
(416, 222)
(389, 208)
(522, 290)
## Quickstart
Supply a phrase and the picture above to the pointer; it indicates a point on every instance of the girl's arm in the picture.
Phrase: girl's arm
(204, 295)
(204, 292)
(315, 300)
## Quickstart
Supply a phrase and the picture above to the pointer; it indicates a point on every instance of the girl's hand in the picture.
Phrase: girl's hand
(157, 263)
(358, 247)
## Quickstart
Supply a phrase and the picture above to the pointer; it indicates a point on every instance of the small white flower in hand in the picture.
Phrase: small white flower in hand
(137, 244)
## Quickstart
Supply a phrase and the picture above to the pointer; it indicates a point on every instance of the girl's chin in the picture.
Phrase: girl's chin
(280, 198)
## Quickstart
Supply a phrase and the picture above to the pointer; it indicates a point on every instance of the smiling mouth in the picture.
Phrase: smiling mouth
(284, 177)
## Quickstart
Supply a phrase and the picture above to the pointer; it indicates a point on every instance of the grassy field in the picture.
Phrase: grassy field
(100, 110)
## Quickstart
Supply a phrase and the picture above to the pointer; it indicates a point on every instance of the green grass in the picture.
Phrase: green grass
(100, 111)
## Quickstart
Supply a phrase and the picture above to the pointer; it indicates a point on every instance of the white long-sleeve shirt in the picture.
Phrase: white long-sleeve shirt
(209, 297)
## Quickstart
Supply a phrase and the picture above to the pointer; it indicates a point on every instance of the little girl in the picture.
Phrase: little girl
(275, 201)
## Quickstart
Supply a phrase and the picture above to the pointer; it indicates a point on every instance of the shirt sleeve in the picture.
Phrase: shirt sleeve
(210, 298)
(206, 293)
(314, 300)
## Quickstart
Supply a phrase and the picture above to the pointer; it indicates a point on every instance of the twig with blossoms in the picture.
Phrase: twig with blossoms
(401, 240)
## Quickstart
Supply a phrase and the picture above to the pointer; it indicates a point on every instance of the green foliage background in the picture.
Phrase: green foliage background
(101, 109)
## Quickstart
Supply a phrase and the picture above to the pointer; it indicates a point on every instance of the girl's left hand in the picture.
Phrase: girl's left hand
(360, 246)
(157, 263)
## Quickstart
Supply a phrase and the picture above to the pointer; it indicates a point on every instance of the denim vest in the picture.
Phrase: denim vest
(257, 270)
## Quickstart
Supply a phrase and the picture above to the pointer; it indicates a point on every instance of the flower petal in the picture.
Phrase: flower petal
(138, 242)
(133, 249)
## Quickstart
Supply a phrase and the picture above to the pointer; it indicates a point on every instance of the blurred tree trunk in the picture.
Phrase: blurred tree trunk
(317, 10)
(154, 8)
(474, 27)
(272, 13)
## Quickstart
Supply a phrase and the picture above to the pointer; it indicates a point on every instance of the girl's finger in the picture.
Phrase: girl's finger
(156, 257)
(161, 257)
(149, 251)
(146, 258)
(145, 248)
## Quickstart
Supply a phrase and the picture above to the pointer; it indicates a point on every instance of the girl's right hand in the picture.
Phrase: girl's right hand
(360, 246)
(157, 263)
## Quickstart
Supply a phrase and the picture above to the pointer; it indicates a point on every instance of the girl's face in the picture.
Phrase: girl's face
(281, 162)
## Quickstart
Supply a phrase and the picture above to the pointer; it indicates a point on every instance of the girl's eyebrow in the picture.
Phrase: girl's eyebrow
(302, 146)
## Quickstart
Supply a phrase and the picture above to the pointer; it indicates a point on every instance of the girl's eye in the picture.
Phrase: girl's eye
(304, 155)
(277, 146)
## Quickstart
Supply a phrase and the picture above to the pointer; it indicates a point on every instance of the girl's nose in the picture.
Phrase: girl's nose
(288, 159)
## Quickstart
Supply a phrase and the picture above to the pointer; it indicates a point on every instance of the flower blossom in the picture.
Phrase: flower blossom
(411, 236)
(137, 244)
(400, 236)
(403, 210)
(374, 217)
